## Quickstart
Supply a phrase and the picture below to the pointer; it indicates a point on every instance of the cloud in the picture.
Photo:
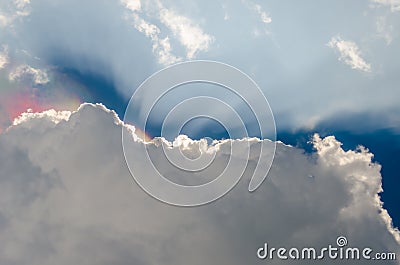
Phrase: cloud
(264, 17)
(67, 197)
(384, 30)
(3, 20)
(226, 14)
(3, 57)
(161, 46)
(349, 54)
(52, 115)
(133, 5)
(393, 4)
(14, 10)
(190, 35)
(37, 76)
(21, 4)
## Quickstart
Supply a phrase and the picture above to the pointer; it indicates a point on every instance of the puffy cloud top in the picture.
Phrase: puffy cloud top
(67, 198)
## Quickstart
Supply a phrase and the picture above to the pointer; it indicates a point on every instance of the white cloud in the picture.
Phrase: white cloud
(21, 4)
(384, 30)
(190, 35)
(349, 53)
(225, 9)
(161, 46)
(4, 20)
(3, 57)
(263, 16)
(132, 5)
(52, 115)
(393, 4)
(18, 8)
(37, 76)
(164, 51)
(67, 198)
(150, 30)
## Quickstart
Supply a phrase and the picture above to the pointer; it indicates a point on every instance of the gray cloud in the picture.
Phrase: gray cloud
(67, 197)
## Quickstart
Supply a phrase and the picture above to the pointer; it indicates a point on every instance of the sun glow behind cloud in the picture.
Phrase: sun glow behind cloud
(13, 105)
(21, 94)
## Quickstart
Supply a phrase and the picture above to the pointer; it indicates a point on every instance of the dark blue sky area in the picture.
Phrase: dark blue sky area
(99, 90)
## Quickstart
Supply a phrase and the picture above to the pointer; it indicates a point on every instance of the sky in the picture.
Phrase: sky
(326, 67)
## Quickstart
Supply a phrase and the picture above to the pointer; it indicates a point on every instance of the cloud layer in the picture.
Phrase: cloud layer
(67, 198)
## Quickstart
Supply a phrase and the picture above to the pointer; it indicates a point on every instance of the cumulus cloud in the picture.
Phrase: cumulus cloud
(23, 72)
(349, 53)
(67, 198)
(52, 115)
